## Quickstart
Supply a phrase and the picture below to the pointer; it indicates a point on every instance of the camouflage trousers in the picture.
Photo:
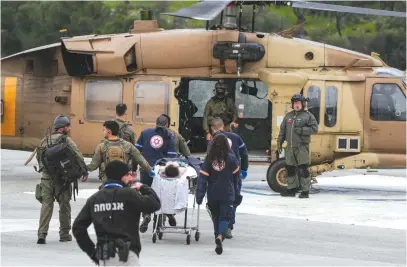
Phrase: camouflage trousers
(48, 193)
(298, 177)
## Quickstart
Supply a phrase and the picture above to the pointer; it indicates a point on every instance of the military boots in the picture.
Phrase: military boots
(144, 224)
(289, 192)
(65, 238)
(304, 194)
(41, 239)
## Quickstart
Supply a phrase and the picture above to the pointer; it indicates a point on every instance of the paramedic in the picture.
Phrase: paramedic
(115, 213)
(154, 144)
(240, 151)
(219, 179)
(114, 148)
(180, 145)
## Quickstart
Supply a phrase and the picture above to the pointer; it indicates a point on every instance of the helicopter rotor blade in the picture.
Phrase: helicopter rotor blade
(206, 10)
(348, 9)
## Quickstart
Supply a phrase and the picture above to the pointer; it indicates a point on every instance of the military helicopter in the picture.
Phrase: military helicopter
(358, 101)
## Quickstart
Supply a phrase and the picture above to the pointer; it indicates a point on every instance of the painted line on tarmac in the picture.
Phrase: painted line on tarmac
(381, 199)
(257, 193)
(350, 189)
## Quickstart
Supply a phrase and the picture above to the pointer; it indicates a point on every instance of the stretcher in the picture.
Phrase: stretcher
(184, 185)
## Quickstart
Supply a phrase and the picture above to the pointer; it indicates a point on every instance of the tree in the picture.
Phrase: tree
(29, 24)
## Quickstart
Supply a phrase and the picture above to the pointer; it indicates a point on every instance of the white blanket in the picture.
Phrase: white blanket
(173, 192)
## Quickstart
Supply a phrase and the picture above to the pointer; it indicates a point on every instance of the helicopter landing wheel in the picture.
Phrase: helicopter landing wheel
(277, 176)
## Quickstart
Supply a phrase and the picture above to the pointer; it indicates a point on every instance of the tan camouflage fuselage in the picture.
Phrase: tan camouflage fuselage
(288, 66)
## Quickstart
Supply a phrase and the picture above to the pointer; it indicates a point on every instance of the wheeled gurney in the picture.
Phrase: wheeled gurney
(180, 188)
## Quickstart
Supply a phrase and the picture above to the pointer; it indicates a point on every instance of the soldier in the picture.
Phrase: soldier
(220, 106)
(154, 144)
(114, 148)
(240, 151)
(180, 145)
(297, 128)
(51, 188)
(125, 130)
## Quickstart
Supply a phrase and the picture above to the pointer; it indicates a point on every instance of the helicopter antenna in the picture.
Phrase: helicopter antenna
(253, 17)
(240, 16)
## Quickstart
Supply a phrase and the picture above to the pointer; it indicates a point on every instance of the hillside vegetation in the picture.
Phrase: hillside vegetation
(25, 25)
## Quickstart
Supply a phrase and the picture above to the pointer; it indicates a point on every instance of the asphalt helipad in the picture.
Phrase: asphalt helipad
(346, 223)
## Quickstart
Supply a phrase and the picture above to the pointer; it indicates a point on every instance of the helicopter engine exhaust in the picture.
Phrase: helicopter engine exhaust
(240, 51)
(230, 17)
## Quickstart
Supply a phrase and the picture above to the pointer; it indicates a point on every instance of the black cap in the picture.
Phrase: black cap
(116, 169)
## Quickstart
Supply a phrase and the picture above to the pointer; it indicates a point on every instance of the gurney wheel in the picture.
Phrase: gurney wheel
(197, 235)
(160, 235)
(188, 239)
(154, 237)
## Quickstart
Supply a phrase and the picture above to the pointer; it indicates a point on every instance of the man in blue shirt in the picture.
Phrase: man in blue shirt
(240, 151)
(154, 144)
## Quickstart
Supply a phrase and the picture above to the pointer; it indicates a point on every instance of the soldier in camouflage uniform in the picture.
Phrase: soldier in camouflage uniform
(125, 130)
(102, 154)
(297, 128)
(180, 145)
(220, 106)
(49, 188)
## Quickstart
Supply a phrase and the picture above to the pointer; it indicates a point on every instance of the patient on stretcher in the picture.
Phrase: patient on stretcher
(172, 170)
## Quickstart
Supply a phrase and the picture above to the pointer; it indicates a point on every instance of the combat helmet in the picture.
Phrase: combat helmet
(298, 97)
(220, 88)
(61, 121)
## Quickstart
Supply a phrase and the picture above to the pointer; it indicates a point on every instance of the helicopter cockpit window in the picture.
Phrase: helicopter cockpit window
(199, 93)
(331, 106)
(151, 98)
(314, 103)
(388, 103)
(101, 98)
(252, 106)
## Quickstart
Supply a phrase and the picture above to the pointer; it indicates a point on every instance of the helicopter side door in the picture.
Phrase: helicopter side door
(385, 115)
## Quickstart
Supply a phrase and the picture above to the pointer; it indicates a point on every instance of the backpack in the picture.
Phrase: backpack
(61, 162)
(123, 134)
(113, 153)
